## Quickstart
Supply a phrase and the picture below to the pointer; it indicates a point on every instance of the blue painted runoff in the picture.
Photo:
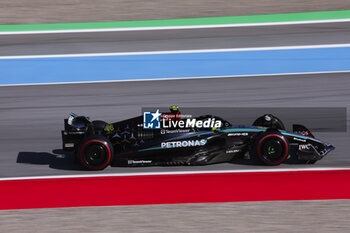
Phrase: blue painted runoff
(181, 65)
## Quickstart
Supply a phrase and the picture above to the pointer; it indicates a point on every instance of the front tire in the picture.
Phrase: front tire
(95, 153)
(271, 148)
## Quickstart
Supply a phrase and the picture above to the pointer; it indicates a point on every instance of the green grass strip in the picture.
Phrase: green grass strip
(321, 15)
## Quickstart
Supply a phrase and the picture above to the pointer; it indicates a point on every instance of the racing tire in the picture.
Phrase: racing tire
(95, 153)
(271, 148)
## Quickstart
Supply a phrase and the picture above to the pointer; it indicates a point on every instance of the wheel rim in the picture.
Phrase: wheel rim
(272, 149)
(95, 155)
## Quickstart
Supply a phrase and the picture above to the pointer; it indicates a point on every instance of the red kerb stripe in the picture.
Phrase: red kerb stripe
(171, 189)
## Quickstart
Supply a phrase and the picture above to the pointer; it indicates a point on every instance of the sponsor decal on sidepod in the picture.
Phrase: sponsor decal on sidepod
(188, 143)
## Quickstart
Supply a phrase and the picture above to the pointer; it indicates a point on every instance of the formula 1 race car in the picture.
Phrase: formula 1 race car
(97, 144)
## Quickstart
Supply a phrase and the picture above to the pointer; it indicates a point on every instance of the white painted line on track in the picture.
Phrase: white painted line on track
(169, 79)
(177, 173)
(176, 27)
(178, 51)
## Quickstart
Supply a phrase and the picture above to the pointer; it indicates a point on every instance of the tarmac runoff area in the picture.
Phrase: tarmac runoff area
(321, 216)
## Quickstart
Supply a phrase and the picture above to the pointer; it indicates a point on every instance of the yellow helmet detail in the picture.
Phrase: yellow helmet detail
(174, 108)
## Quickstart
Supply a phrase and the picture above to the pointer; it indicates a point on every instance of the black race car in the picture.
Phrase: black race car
(97, 144)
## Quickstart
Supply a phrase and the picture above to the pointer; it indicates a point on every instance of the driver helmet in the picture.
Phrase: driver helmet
(174, 109)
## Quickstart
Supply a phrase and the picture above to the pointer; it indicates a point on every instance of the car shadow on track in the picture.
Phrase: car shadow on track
(256, 162)
(58, 159)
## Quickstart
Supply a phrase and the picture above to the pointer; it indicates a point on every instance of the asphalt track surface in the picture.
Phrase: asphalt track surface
(32, 116)
(160, 40)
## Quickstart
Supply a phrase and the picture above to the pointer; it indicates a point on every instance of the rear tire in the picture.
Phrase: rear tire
(271, 148)
(95, 153)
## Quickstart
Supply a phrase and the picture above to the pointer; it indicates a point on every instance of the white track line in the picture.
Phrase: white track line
(178, 51)
(169, 79)
(176, 27)
(176, 173)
